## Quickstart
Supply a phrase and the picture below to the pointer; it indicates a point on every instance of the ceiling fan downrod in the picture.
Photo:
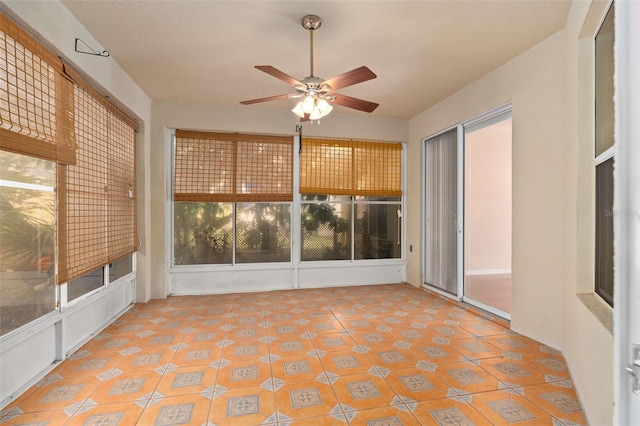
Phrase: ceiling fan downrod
(311, 23)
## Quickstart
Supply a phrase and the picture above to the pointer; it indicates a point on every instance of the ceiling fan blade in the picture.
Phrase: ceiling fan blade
(350, 78)
(267, 99)
(355, 103)
(278, 74)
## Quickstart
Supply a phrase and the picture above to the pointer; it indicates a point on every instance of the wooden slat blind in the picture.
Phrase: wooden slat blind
(36, 100)
(96, 200)
(344, 167)
(226, 167)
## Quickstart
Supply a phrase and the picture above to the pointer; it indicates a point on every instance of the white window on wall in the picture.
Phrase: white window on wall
(351, 200)
(27, 239)
(604, 158)
(58, 133)
(232, 198)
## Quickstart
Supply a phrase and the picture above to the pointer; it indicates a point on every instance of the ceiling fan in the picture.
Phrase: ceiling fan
(318, 94)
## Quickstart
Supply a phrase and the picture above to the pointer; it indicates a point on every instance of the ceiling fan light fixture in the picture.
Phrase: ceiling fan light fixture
(312, 107)
(297, 110)
(324, 107)
(309, 104)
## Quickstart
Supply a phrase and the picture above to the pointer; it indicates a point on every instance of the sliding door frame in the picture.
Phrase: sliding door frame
(460, 128)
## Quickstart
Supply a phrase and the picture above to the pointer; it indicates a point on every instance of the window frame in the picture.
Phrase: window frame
(295, 221)
(599, 288)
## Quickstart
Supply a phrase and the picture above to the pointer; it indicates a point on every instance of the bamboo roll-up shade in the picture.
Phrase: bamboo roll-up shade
(36, 100)
(70, 73)
(96, 199)
(82, 202)
(226, 167)
(122, 235)
(344, 167)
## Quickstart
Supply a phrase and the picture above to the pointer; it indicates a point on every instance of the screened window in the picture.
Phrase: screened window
(69, 182)
(120, 268)
(232, 198)
(27, 239)
(604, 160)
(351, 200)
(326, 227)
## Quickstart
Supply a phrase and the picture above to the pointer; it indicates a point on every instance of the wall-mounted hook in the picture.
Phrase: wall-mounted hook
(82, 47)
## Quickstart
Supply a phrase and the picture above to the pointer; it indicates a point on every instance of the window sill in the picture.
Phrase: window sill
(599, 308)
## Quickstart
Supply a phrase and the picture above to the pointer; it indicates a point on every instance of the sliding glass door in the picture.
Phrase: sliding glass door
(441, 224)
(467, 212)
(487, 213)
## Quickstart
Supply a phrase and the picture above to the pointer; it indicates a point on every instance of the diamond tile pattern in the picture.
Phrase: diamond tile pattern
(374, 355)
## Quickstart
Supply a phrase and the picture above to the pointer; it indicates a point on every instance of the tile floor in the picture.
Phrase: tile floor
(372, 355)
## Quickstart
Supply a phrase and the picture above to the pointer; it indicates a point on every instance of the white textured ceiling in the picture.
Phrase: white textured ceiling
(421, 51)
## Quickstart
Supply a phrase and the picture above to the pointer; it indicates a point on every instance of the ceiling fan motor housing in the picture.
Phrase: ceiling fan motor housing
(311, 22)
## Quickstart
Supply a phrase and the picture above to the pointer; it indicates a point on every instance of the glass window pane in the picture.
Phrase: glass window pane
(604, 84)
(85, 284)
(263, 232)
(202, 233)
(27, 240)
(377, 231)
(326, 231)
(120, 268)
(604, 230)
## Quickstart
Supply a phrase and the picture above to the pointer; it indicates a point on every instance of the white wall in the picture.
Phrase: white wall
(587, 342)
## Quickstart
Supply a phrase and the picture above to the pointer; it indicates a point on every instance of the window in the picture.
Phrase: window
(97, 204)
(326, 227)
(604, 159)
(120, 268)
(232, 198)
(67, 190)
(351, 200)
(27, 239)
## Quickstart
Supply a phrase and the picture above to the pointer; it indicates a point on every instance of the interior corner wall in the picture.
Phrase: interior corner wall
(242, 119)
(587, 344)
(58, 28)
